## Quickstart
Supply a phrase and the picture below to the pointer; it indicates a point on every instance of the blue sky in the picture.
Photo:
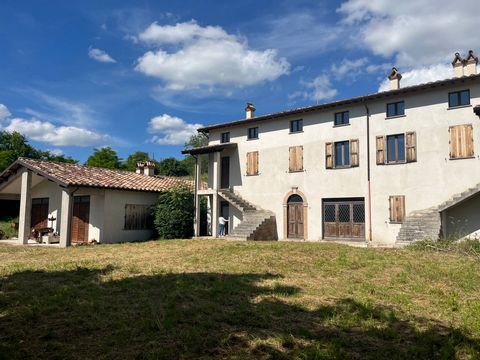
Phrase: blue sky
(142, 75)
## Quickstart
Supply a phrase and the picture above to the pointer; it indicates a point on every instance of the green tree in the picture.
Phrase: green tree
(197, 140)
(105, 158)
(174, 214)
(172, 167)
(188, 162)
(131, 163)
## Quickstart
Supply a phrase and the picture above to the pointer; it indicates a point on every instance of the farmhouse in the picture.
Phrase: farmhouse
(385, 168)
(75, 204)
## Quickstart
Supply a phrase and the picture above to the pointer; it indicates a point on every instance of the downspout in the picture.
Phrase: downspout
(196, 203)
(367, 110)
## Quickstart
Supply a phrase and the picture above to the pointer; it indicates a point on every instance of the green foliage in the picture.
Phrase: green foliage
(131, 163)
(470, 247)
(174, 214)
(6, 229)
(105, 158)
(172, 167)
(197, 140)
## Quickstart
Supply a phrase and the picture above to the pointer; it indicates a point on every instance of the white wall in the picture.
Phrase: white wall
(50, 190)
(428, 182)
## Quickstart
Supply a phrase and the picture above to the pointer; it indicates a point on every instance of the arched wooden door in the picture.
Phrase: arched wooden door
(295, 217)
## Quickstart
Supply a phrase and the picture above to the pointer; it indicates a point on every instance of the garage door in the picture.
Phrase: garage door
(344, 218)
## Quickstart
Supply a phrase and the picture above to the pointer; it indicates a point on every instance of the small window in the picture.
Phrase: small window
(397, 208)
(138, 217)
(40, 201)
(225, 137)
(296, 126)
(342, 154)
(295, 159)
(252, 163)
(396, 148)
(342, 118)
(461, 141)
(396, 109)
(253, 133)
(459, 98)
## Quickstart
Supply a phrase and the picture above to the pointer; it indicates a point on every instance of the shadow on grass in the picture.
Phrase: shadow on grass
(90, 314)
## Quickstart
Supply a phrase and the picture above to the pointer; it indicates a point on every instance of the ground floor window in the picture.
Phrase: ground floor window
(344, 218)
(138, 217)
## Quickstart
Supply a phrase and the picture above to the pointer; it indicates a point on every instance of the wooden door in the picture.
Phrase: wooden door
(80, 219)
(344, 219)
(295, 217)
(225, 172)
(39, 217)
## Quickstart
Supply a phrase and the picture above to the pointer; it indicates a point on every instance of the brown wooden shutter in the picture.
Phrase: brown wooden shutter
(461, 141)
(255, 163)
(453, 142)
(381, 150)
(354, 152)
(329, 155)
(296, 158)
(252, 163)
(397, 208)
(411, 145)
(468, 139)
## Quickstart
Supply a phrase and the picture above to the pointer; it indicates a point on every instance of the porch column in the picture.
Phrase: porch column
(198, 181)
(214, 214)
(66, 218)
(24, 220)
(216, 170)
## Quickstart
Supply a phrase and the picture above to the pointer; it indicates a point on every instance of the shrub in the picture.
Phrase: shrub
(174, 214)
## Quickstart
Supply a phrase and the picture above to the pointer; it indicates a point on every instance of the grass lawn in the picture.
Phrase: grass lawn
(223, 299)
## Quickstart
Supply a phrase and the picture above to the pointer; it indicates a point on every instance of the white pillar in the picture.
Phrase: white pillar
(215, 215)
(66, 218)
(216, 170)
(198, 181)
(24, 221)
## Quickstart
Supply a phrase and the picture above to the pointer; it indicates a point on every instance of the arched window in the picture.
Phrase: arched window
(295, 199)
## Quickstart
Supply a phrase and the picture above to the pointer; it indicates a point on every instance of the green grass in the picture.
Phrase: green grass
(240, 300)
(6, 229)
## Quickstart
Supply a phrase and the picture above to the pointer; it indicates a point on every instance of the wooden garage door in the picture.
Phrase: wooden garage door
(80, 219)
(344, 218)
(39, 217)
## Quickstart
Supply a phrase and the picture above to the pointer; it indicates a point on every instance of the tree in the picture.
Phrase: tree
(197, 140)
(105, 158)
(131, 163)
(172, 167)
(174, 214)
(188, 162)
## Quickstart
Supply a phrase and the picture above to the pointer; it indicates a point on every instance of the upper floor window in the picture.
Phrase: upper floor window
(341, 154)
(252, 163)
(459, 98)
(296, 126)
(225, 137)
(342, 118)
(461, 141)
(396, 109)
(253, 133)
(295, 161)
(398, 148)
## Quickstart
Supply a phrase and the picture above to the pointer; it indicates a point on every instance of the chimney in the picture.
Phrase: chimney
(249, 111)
(470, 64)
(394, 78)
(145, 168)
(458, 64)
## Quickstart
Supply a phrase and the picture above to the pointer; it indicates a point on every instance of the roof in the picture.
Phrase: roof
(209, 149)
(343, 102)
(67, 175)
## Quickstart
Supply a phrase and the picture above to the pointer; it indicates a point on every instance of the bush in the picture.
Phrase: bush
(6, 230)
(469, 247)
(174, 214)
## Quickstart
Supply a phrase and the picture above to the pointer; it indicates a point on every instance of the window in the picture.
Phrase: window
(252, 133)
(342, 118)
(225, 137)
(398, 148)
(459, 98)
(396, 109)
(461, 141)
(397, 208)
(295, 159)
(138, 217)
(341, 154)
(252, 163)
(296, 126)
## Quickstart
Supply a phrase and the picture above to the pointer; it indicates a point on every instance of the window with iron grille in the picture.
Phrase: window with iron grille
(396, 109)
(138, 217)
(459, 98)
(225, 137)
(296, 126)
(342, 118)
(253, 133)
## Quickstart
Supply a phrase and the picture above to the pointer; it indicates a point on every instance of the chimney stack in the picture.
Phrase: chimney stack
(145, 168)
(458, 64)
(394, 78)
(249, 111)
(470, 64)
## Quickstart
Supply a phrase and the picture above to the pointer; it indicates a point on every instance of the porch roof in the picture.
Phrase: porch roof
(209, 149)
(67, 175)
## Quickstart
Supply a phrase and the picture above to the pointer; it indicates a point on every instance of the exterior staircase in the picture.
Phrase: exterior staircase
(257, 224)
(426, 224)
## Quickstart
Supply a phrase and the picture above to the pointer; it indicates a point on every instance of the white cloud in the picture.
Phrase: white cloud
(56, 152)
(206, 57)
(318, 89)
(4, 112)
(349, 68)
(49, 133)
(100, 55)
(421, 75)
(171, 130)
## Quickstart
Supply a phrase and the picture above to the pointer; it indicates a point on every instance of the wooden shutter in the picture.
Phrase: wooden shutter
(252, 163)
(397, 208)
(381, 140)
(461, 141)
(296, 158)
(354, 152)
(329, 155)
(411, 145)
(137, 217)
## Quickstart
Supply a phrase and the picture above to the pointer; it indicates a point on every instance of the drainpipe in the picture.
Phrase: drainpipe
(196, 203)
(367, 110)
